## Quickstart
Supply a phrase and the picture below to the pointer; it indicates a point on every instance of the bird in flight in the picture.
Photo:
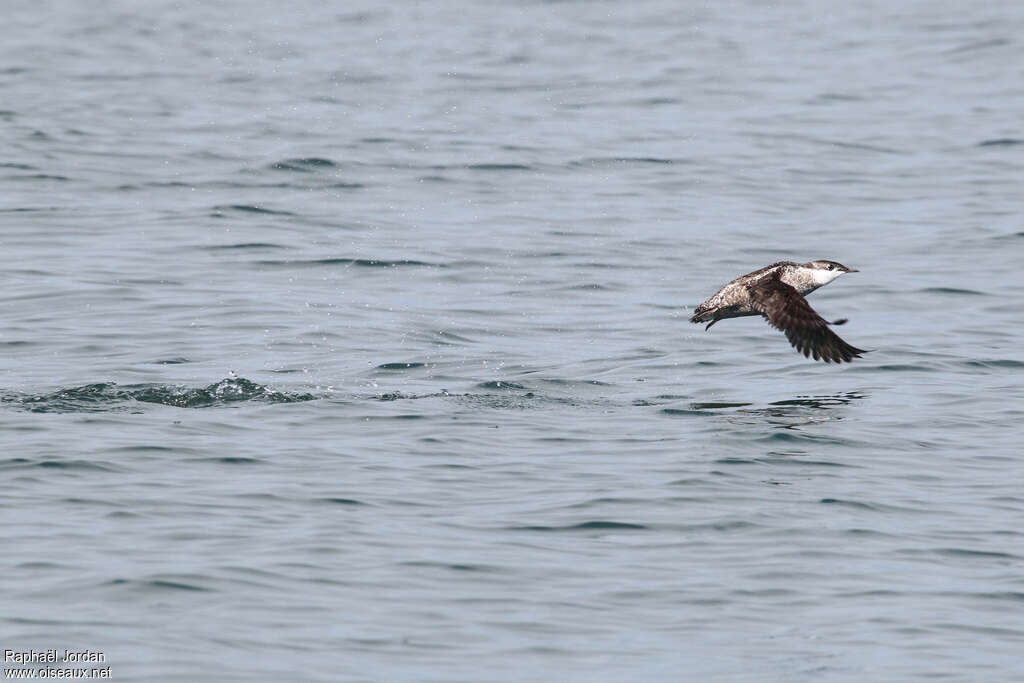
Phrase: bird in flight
(777, 293)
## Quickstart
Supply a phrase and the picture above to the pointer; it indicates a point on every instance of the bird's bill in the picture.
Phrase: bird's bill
(851, 270)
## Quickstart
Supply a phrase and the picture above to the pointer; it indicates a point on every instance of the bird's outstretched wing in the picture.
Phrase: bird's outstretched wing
(809, 333)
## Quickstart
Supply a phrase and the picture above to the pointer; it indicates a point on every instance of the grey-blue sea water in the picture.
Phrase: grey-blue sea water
(350, 341)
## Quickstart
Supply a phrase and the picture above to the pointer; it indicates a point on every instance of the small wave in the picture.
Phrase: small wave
(573, 382)
(969, 552)
(868, 506)
(978, 45)
(838, 97)
(40, 176)
(789, 436)
(86, 398)
(359, 262)
(619, 161)
(108, 396)
(230, 390)
(445, 338)
(399, 396)
(174, 584)
(427, 564)
(897, 367)
(248, 208)
(604, 524)
(643, 160)
(303, 165)
(824, 401)
(799, 459)
(582, 526)
(489, 401)
(499, 167)
(499, 384)
(1002, 363)
(606, 500)
(855, 504)
(685, 411)
(589, 287)
(860, 146)
(73, 465)
(713, 406)
(57, 464)
(243, 245)
(953, 290)
(1000, 142)
(400, 366)
(234, 460)
(394, 396)
(341, 501)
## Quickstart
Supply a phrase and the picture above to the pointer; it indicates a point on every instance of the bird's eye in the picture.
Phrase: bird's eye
(831, 266)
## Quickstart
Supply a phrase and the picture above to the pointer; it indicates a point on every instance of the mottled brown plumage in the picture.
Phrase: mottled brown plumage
(776, 292)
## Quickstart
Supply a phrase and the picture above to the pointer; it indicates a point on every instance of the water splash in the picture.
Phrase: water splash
(108, 397)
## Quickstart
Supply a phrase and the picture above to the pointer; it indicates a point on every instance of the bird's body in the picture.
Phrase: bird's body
(777, 293)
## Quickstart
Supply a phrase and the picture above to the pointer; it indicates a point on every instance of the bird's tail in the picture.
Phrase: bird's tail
(701, 314)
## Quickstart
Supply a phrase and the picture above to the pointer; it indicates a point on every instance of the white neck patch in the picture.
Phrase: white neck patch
(823, 277)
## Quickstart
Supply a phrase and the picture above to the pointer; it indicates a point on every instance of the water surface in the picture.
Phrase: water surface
(351, 343)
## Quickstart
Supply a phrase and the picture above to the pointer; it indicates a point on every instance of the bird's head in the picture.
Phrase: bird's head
(824, 271)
